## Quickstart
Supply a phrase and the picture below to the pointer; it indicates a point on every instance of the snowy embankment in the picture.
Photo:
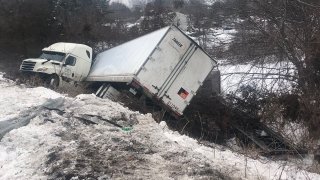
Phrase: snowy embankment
(88, 137)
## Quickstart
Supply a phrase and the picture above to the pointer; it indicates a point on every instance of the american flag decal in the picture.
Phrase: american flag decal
(183, 93)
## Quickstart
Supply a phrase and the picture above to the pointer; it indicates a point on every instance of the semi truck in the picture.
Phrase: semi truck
(166, 66)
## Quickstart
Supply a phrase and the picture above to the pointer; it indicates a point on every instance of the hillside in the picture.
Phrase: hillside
(141, 3)
(131, 3)
(91, 138)
(269, 64)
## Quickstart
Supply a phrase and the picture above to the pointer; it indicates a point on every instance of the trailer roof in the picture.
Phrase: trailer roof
(127, 58)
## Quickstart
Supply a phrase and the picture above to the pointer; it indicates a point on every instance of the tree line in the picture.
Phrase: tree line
(275, 31)
(26, 23)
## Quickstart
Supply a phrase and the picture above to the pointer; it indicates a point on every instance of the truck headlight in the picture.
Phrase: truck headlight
(42, 69)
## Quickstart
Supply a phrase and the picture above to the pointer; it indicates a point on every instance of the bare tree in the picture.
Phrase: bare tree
(284, 31)
(156, 16)
(287, 31)
(80, 20)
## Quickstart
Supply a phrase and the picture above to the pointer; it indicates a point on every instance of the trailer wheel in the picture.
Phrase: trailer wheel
(53, 81)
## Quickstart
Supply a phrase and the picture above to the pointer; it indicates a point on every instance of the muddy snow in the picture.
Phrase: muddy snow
(91, 138)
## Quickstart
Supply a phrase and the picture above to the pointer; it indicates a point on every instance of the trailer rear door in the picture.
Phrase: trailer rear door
(179, 94)
(164, 60)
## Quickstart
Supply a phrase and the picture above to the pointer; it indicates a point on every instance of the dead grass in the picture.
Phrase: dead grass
(315, 168)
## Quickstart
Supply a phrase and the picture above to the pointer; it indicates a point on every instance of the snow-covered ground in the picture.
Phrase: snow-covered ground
(131, 3)
(140, 3)
(210, 2)
(80, 138)
(271, 77)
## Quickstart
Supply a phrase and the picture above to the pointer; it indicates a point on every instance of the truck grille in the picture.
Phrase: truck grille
(27, 66)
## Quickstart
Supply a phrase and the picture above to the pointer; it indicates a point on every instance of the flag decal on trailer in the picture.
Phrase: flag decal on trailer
(183, 93)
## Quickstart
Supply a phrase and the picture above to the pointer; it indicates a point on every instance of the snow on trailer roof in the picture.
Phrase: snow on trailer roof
(125, 59)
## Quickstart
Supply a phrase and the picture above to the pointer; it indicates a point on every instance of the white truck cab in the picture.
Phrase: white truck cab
(68, 61)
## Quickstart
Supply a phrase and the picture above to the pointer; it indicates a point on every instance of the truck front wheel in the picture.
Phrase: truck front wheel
(53, 81)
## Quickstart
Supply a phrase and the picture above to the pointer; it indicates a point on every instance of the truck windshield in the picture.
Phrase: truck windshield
(49, 55)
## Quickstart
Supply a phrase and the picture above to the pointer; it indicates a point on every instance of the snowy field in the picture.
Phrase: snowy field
(91, 138)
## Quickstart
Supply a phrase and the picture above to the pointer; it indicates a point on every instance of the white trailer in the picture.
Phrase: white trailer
(166, 65)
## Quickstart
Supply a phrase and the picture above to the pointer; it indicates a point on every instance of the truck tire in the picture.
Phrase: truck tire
(53, 82)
